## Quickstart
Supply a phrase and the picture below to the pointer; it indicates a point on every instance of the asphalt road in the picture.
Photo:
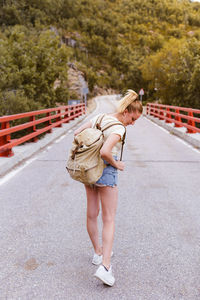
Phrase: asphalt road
(45, 252)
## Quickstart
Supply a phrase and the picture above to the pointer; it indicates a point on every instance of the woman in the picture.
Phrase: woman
(105, 189)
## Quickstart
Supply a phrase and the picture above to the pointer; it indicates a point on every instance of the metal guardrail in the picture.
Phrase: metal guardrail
(176, 115)
(59, 115)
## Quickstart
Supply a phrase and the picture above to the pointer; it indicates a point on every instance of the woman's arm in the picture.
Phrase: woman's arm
(106, 153)
(81, 128)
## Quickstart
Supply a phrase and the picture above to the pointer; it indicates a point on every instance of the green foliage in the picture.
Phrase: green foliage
(73, 95)
(91, 78)
(174, 71)
(30, 64)
(120, 44)
(16, 102)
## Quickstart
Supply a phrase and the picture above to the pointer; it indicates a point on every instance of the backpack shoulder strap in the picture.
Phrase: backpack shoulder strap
(110, 124)
(124, 135)
(123, 142)
(98, 121)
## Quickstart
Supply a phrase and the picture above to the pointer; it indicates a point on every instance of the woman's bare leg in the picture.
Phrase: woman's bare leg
(109, 197)
(92, 215)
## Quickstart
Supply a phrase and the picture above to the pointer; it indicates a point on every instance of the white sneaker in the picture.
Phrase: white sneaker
(97, 259)
(105, 276)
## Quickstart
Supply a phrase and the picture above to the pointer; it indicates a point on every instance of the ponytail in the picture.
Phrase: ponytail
(130, 102)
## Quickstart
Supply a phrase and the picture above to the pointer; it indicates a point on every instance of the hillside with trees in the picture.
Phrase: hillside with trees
(116, 44)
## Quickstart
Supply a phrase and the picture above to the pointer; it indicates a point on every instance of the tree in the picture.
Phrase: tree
(175, 69)
(30, 64)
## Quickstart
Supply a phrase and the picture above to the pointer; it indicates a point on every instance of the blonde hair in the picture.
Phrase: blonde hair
(130, 102)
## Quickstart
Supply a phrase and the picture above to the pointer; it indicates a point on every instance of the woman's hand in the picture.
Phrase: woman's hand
(120, 165)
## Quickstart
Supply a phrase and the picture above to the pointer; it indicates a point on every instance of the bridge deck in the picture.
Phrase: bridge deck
(45, 252)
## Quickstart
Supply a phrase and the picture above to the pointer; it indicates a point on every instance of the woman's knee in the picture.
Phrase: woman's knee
(93, 215)
(108, 218)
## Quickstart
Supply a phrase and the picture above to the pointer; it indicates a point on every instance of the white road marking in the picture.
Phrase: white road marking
(61, 138)
(29, 161)
(17, 170)
(185, 143)
(176, 137)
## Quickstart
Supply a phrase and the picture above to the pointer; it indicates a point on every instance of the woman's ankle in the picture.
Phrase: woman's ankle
(99, 251)
(106, 266)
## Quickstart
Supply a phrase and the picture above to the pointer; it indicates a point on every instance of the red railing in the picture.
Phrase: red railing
(58, 115)
(176, 115)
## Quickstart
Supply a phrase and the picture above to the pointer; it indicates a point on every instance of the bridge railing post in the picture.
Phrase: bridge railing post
(71, 112)
(151, 110)
(67, 115)
(33, 129)
(59, 118)
(147, 108)
(161, 113)
(178, 118)
(168, 115)
(154, 110)
(75, 109)
(5, 139)
(157, 110)
(191, 123)
(49, 122)
(80, 110)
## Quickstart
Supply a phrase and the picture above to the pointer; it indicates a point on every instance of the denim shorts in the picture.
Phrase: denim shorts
(109, 176)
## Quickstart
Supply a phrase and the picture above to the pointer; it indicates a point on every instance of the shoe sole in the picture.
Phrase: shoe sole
(104, 280)
(96, 264)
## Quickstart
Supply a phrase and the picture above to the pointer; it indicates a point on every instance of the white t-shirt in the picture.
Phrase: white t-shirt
(117, 129)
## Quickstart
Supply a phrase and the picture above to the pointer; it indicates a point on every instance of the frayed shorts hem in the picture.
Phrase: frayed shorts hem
(103, 185)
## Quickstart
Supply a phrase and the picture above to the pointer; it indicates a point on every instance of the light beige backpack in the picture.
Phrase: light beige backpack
(84, 162)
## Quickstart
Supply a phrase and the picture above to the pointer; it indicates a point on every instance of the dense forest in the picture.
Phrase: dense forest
(117, 44)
